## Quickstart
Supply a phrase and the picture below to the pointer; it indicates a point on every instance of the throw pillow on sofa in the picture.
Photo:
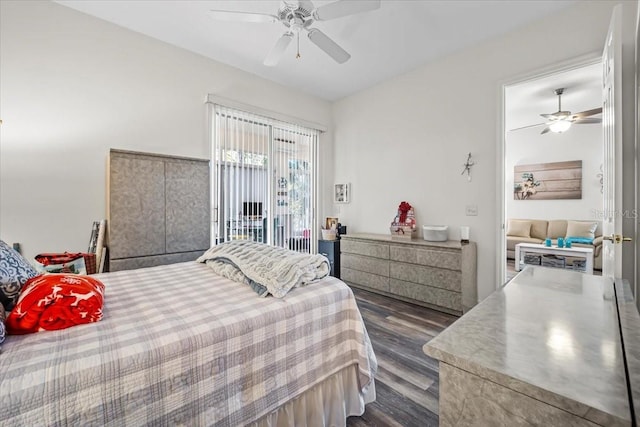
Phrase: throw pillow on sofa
(519, 228)
(583, 229)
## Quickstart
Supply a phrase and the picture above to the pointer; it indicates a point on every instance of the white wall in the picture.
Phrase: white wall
(527, 146)
(73, 87)
(407, 138)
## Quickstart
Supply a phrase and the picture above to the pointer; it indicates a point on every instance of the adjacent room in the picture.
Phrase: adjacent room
(351, 212)
(554, 174)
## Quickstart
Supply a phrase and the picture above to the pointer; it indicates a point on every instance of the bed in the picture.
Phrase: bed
(181, 345)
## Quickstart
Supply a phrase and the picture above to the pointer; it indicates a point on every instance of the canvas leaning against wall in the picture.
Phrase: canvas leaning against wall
(548, 181)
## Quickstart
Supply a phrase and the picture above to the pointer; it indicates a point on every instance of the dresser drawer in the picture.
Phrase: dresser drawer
(366, 264)
(362, 278)
(436, 277)
(365, 248)
(440, 258)
(435, 296)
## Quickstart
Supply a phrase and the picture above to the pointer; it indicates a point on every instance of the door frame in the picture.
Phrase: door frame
(501, 173)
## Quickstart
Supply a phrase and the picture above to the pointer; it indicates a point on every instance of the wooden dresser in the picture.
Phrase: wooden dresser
(440, 275)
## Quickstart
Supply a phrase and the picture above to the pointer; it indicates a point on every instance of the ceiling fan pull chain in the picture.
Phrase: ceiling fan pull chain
(298, 53)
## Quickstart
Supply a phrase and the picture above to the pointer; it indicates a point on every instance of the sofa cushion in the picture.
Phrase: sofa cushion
(557, 228)
(519, 228)
(581, 229)
(539, 228)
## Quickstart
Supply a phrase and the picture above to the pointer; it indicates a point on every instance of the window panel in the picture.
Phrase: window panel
(264, 180)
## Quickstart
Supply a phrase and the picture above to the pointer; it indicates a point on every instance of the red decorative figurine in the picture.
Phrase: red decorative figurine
(404, 224)
(403, 209)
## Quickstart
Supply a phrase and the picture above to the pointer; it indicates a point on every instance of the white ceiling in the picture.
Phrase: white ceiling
(524, 102)
(398, 37)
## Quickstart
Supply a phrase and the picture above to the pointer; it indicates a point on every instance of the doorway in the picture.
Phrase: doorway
(551, 179)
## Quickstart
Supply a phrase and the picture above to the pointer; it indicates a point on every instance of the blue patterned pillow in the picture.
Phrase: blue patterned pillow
(3, 329)
(14, 272)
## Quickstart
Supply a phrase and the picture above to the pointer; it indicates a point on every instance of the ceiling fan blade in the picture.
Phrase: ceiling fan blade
(527, 127)
(330, 47)
(549, 116)
(277, 50)
(233, 16)
(588, 120)
(292, 4)
(587, 113)
(338, 9)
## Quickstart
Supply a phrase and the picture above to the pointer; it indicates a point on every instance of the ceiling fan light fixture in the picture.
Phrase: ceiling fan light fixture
(560, 126)
(298, 15)
(561, 121)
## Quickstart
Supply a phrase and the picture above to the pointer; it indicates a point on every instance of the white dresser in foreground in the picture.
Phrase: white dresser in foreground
(440, 275)
(551, 348)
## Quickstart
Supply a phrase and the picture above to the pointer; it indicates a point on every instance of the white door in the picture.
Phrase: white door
(612, 142)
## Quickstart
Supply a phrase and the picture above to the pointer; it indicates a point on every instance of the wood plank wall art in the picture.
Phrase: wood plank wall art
(548, 181)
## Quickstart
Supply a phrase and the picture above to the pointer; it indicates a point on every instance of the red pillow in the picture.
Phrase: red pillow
(56, 301)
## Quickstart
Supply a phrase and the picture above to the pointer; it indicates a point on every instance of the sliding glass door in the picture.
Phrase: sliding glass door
(263, 180)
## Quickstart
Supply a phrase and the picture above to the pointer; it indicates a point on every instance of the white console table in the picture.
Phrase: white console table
(575, 252)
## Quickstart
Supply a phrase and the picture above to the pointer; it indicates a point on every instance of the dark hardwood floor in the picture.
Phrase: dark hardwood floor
(407, 379)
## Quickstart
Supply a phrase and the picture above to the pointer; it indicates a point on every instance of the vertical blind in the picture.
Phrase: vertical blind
(264, 175)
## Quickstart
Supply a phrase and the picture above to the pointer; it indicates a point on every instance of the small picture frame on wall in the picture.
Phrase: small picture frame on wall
(341, 193)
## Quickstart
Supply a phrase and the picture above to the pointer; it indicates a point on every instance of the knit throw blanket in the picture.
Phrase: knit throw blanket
(267, 269)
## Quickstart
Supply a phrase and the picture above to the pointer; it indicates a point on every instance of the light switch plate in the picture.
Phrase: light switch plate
(471, 210)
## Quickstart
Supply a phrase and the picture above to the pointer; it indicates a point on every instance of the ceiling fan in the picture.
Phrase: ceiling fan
(561, 121)
(298, 15)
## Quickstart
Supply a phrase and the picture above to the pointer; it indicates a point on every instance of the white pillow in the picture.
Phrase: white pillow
(581, 229)
(519, 228)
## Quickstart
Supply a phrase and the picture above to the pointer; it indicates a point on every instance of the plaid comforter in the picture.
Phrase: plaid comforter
(179, 344)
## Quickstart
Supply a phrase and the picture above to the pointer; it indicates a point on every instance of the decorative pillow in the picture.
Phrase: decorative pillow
(581, 240)
(56, 301)
(519, 228)
(3, 330)
(581, 229)
(557, 228)
(14, 273)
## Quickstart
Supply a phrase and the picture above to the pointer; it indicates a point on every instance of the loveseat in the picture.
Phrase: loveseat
(537, 231)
